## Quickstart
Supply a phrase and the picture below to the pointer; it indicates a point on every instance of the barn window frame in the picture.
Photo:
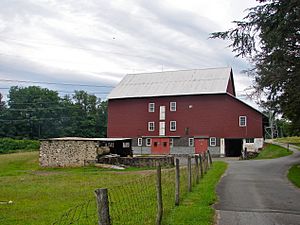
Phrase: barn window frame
(140, 142)
(242, 121)
(250, 140)
(191, 142)
(148, 142)
(171, 142)
(173, 106)
(151, 107)
(151, 126)
(213, 141)
(173, 125)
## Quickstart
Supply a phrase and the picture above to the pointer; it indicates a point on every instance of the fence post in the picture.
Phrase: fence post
(209, 156)
(159, 196)
(197, 169)
(177, 182)
(189, 167)
(205, 162)
(201, 165)
(102, 206)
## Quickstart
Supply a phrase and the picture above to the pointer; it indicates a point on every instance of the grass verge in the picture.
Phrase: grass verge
(273, 151)
(292, 140)
(196, 208)
(294, 175)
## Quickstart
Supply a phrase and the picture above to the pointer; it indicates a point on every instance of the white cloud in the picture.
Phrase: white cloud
(100, 41)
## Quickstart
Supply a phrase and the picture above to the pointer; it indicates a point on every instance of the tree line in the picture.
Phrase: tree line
(34, 113)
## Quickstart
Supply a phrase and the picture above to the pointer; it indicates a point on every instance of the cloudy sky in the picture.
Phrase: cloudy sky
(97, 42)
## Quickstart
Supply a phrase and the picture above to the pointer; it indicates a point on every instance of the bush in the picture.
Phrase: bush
(9, 145)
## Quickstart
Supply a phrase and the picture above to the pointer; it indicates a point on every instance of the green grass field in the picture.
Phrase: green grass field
(273, 151)
(292, 140)
(66, 195)
(294, 175)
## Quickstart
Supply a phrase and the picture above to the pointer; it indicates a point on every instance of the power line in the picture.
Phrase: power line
(40, 119)
(55, 83)
(69, 92)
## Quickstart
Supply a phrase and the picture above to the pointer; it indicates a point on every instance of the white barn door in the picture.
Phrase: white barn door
(162, 128)
(162, 112)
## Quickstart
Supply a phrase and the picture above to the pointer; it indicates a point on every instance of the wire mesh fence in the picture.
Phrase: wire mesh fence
(135, 202)
(83, 213)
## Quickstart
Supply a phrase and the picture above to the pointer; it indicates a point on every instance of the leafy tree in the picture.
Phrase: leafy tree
(2, 103)
(35, 112)
(269, 36)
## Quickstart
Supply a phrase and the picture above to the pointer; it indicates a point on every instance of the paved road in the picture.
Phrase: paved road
(257, 192)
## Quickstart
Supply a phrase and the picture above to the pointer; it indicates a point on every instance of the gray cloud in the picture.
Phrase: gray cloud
(142, 38)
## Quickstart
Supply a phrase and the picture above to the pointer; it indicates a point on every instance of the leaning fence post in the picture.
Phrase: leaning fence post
(209, 156)
(102, 206)
(197, 169)
(189, 167)
(177, 182)
(159, 196)
(201, 165)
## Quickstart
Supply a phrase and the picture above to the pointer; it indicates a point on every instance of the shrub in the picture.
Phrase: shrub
(9, 144)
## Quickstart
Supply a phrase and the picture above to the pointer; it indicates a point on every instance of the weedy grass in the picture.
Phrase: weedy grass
(271, 151)
(295, 140)
(37, 196)
(196, 208)
(294, 175)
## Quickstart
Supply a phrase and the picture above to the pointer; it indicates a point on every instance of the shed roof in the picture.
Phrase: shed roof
(172, 83)
(85, 139)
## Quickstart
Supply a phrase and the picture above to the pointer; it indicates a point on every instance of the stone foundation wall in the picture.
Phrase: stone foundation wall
(66, 153)
(139, 161)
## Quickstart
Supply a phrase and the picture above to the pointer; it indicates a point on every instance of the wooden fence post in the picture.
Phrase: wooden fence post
(189, 167)
(205, 162)
(177, 182)
(159, 196)
(209, 156)
(102, 206)
(201, 165)
(197, 169)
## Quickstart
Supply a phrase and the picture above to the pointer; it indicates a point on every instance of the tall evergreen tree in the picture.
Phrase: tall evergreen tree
(269, 36)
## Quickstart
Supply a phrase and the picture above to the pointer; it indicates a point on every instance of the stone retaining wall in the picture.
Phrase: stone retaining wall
(150, 161)
(66, 153)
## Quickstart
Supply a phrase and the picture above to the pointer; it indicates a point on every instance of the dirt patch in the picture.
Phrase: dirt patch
(45, 173)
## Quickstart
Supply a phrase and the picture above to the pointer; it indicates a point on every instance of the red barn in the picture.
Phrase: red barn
(183, 112)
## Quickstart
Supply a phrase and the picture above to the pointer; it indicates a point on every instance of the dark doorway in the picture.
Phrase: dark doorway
(233, 147)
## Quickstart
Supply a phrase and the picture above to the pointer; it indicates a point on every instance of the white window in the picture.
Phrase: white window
(172, 125)
(162, 112)
(151, 107)
(126, 144)
(242, 121)
(171, 142)
(249, 140)
(148, 141)
(212, 141)
(173, 106)
(191, 142)
(139, 141)
(150, 126)
(162, 128)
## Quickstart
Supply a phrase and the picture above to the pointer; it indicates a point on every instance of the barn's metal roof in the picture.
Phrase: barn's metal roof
(172, 83)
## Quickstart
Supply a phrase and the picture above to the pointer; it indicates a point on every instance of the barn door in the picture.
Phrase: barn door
(160, 146)
(162, 128)
(201, 145)
(162, 112)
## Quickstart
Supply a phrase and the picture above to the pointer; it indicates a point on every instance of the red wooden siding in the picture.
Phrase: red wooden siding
(202, 115)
